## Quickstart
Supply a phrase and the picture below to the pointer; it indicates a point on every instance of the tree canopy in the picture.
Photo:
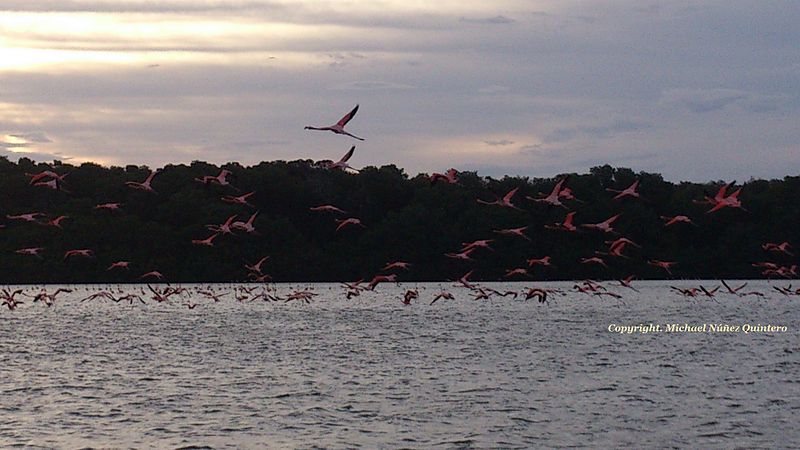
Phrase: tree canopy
(404, 218)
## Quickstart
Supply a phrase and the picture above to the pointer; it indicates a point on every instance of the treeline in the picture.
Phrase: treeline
(406, 219)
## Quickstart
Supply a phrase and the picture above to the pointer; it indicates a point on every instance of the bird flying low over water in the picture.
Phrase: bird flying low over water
(338, 127)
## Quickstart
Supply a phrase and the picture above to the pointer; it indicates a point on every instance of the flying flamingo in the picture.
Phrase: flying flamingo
(396, 265)
(717, 197)
(629, 191)
(731, 201)
(28, 217)
(514, 232)
(505, 201)
(604, 226)
(626, 282)
(464, 255)
(208, 242)
(327, 208)
(543, 261)
(35, 177)
(57, 221)
(54, 184)
(594, 260)
(515, 272)
(342, 163)
(32, 251)
(450, 177)
(119, 265)
(783, 247)
(666, 265)
(338, 127)
(240, 200)
(86, 253)
(566, 225)
(224, 228)
(566, 194)
(442, 294)
(247, 227)
(676, 219)
(153, 274)
(351, 221)
(256, 268)
(145, 185)
(381, 279)
(411, 294)
(109, 206)
(221, 179)
(554, 198)
(480, 243)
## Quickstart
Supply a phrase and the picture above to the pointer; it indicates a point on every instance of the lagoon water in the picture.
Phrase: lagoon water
(372, 373)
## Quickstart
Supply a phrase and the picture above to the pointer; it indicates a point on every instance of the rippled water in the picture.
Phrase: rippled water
(373, 373)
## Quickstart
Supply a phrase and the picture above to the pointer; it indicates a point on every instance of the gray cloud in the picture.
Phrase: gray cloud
(498, 143)
(692, 93)
(595, 131)
(496, 20)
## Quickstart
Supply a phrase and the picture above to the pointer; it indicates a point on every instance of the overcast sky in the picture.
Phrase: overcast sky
(693, 90)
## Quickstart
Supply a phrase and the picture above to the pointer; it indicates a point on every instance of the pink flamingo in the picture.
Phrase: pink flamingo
(342, 163)
(327, 208)
(240, 200)
(514, 232)
(450, 177)
(731, 201)
(85, 253)
(666, 265)
(109, 206)
(381, 279)
(629, 191)
(554, 198)
(338, 127)
(566, 225)
(442, 294)
(146, 184)
(224, 228)
(31, 251)
(35, 177)
(54, 184)
(626, 282)
(256, 268)
(28, 217)
(676, 219)
(396, 265)
(57, 221)
(566, 194)
(464, 255)
(153, 274)
(351, 221)
(594, 260)
(505, 201)
(208, 242)
(221, 179)
(119, 265)
(516, 272)
(247, 227)
(783, 247)
(543, 261)
(604, 226)
(480, 243)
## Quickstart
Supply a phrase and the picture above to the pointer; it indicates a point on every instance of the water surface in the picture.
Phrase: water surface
(371, 372)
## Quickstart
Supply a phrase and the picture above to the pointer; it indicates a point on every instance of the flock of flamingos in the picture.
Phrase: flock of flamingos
(468, 250)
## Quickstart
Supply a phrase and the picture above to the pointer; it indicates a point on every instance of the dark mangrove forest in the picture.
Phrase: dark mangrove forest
(408, 219)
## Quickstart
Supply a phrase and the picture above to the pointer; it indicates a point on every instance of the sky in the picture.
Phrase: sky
(694, 90)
